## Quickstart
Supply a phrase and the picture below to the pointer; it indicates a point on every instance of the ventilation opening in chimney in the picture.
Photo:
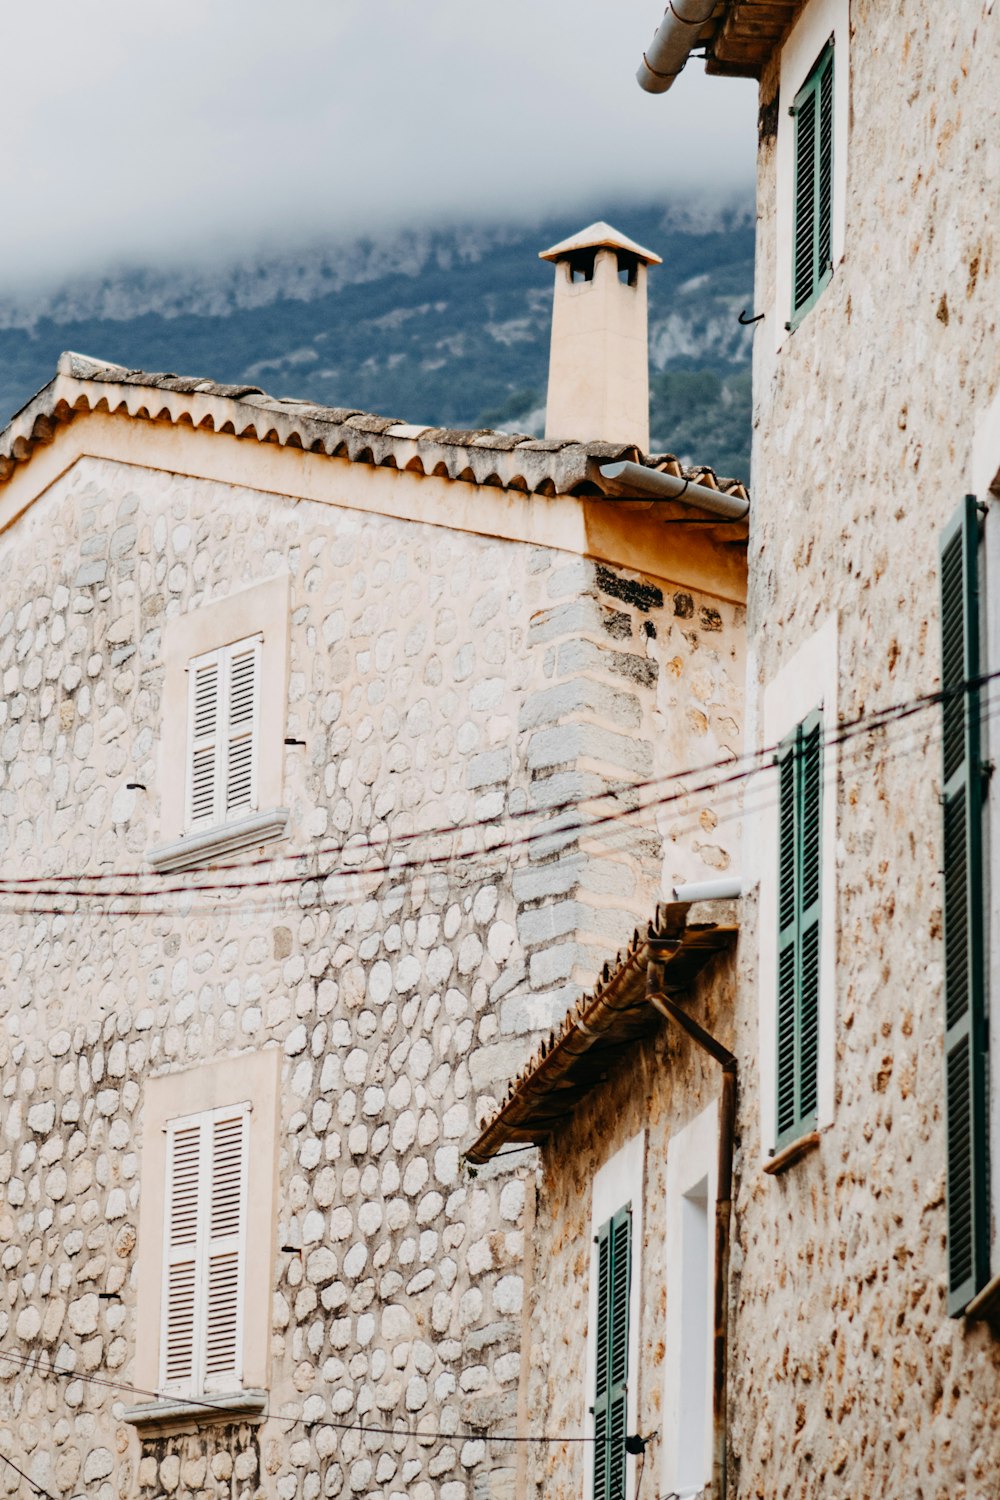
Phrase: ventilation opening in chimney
(581, 265)
(628, 268)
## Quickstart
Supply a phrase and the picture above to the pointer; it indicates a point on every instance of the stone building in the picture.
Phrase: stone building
(333, 772)
(862, 1300)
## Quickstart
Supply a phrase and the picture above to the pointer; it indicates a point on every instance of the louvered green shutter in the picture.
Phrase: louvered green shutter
(800, 788)
(614, 1254)
(964, 970)
(812, 225)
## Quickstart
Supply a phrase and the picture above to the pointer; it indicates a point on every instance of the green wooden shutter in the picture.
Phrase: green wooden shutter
(800, 788)
(812, 224)
(614, 1255)
(964, 967)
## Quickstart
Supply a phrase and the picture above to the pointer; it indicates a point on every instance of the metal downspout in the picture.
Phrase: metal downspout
(672, 43)
(657, 997)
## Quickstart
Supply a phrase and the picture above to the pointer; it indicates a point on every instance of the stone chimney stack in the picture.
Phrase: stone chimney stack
(599, 361)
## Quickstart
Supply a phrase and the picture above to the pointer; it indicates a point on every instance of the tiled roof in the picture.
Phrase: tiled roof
(603, 1025)
(499, 459)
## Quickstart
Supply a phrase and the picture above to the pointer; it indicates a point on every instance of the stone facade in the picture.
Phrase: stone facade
(870, 1389)
(437, 677)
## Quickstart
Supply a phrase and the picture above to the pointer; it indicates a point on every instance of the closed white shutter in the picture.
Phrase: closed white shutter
(223, 719)
(178, 1338)
(227, 1212)
(201, 1336)
(241, 778)
(204, 714)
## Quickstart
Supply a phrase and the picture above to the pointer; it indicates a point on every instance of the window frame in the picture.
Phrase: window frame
(809, 99)
(225, 1083)
(222, 740)
(199, 1382)
(610, 1389)
(964, 908)
(793, 934)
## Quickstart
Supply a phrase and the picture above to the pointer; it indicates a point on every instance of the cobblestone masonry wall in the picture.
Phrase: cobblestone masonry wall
(851, 1379)
(434, 677)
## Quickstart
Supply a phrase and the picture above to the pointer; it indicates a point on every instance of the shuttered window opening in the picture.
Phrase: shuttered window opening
(965, 1022)
(224, 714)
(614, 1256)
(205, 1251)
(800, 796)
(812, 223)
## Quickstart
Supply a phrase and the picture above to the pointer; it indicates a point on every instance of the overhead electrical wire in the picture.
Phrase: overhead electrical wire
(753, 762)
(32, 1366)
(761, 760)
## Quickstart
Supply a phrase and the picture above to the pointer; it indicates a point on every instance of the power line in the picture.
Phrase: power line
(761, 760)
(757, 759)
(31, 1366)
(38, 1489)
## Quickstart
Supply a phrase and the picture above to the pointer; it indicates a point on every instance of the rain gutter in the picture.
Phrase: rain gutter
(675, 38)
(631, 479)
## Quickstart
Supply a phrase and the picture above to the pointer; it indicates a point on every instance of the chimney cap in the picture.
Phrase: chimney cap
(599, 236)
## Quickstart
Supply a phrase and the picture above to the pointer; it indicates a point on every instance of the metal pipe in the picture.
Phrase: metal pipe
(675, 37)
(709, 890)
(657, 997)
(630, 477)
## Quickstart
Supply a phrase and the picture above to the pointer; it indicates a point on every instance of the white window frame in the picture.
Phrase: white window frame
(200, 1384)
(618, 1184)
(692, 1161)
(807, 681)
(819, 21)
(223, 657)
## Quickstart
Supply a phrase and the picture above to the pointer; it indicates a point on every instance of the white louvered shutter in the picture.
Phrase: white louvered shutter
(223, 720)
(225, 1251)
(204, 758)
(201, 1336)
(241, 778)
(178, 1334)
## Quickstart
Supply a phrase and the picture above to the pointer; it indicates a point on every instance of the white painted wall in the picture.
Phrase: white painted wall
(692, 1185)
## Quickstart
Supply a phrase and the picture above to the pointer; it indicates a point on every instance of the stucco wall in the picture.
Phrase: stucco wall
(849, 1378)
(435, 677)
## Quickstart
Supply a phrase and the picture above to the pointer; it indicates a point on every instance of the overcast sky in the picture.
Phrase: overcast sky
(152, 133)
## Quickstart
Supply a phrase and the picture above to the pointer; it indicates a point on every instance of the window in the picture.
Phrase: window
(965, 1019)
(205, 1251)
(225, 694)
(800, 777)
(812, 231)
(223, 716)
(206, 1240)
(614, 1263)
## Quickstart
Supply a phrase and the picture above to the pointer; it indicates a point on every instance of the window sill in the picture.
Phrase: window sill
(178, 1413)
(208, 844)
(791, 1153)
(985, 1305)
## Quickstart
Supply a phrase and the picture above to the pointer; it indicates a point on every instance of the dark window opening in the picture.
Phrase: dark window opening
(581, 265)
(628, 268)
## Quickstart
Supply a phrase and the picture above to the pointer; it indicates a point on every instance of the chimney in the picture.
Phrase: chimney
(599, 360)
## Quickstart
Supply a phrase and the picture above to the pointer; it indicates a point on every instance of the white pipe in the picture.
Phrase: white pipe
(670, 48)
(710, 890)
(629, 477)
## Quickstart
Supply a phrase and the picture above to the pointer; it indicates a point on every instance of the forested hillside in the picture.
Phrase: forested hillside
(448, 327)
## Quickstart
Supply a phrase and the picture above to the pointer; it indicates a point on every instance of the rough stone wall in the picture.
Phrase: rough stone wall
(433, 679)
(659, 1087)
(850, 1379)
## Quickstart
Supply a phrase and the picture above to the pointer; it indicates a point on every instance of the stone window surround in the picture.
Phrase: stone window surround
(692, 1159)
(820, 20)
(228, 1080)
(620, 1181)
(261, 609)
(807, 681)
